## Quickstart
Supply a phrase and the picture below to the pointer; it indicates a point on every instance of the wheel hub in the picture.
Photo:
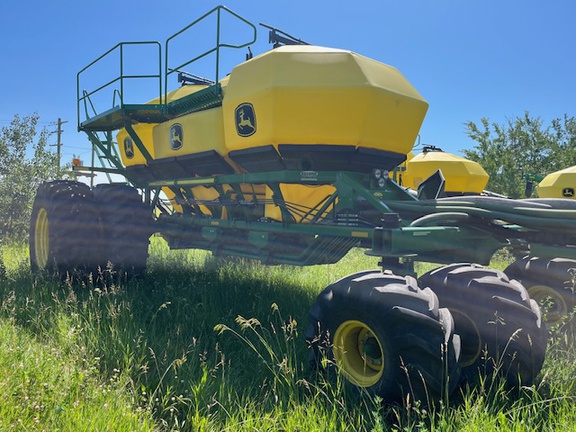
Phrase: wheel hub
(358, 352)
(553, 303)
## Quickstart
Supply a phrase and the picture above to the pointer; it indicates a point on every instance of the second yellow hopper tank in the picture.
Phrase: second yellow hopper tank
(559, 184)
(463, 176)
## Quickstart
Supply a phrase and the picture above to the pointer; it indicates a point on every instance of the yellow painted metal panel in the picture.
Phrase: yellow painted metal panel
(302, 195)
(171, 196)
(199, 131)
(128, 151)
(398, 172)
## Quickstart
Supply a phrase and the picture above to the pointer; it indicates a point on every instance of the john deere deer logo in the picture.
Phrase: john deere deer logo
(129, 147)
(175, 136)
(568, 192)
(245, 120)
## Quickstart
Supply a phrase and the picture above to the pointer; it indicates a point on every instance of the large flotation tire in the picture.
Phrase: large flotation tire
(124, 229)
(551, 283)
(500, 327)
(386, 336)
(62, 229)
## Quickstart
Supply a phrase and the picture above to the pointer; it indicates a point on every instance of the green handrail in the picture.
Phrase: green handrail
(83, 96)
(218, 10)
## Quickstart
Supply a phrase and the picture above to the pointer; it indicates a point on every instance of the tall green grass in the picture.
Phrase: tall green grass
(212, 344)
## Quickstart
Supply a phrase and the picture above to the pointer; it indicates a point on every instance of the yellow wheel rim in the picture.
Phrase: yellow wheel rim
(359, 354)
(41, 239)
(554, 304)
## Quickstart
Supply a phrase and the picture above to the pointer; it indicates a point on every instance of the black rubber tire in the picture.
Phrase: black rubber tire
(62, 229)
(386, 335)
(550, 283)
(124, 230)
(500, 326)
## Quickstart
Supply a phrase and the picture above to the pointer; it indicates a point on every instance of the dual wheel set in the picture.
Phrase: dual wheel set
(386, 334)
(78, 230)
(390, 335)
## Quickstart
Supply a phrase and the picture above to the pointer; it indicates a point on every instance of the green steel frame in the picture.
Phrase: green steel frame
(328, 238)
(381, 216)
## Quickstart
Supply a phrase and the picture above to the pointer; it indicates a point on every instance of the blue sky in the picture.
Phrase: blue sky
(468, 58)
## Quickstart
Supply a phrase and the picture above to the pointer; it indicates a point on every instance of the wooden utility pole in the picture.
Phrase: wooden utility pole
(58, 144)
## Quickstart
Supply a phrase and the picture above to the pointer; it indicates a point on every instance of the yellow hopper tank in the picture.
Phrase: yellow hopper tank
(128, 150)
(463, 176)
(183, 147)
(314, 108)
(296, 107)
(560, 184)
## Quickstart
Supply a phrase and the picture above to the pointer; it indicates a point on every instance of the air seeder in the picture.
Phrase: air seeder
(286, 160)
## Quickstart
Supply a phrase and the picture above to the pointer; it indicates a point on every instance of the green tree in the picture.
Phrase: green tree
(523, 146)
(564, 150)
(23, 166)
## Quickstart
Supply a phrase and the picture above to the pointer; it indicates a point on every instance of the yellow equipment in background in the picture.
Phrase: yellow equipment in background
(463, 176)
(559, 184)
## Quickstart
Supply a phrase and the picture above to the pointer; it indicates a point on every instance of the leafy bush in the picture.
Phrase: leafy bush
(24, 165)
